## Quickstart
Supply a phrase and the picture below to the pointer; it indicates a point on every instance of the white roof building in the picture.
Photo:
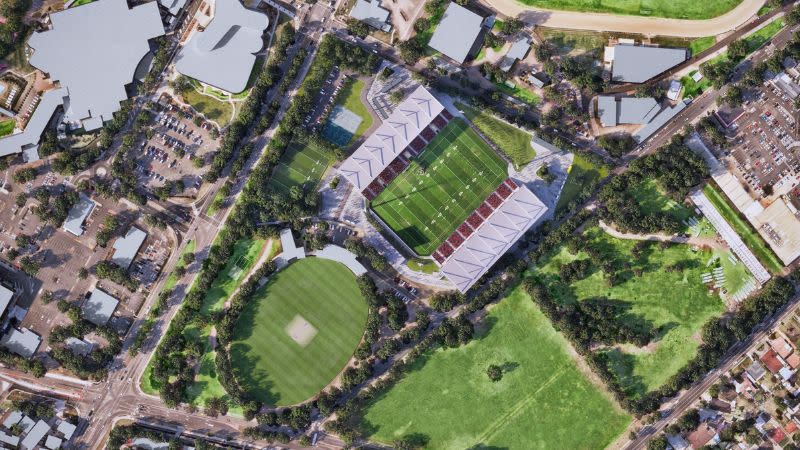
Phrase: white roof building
(457, 32)
(23, 342)
(371, 13)
(13, 418)
(397, 132)
(639, 63)
(29, 137)
(9, 439)
(125, 248)
(52, 442)
(93, 52)
(78, 214)
(517, 51)
(99, 307)
(66, 429)
(6, 295)
(488, 233)
(35, 436)
(223, 54)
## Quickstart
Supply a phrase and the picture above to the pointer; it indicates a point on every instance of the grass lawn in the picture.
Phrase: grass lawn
(422, 265)
(698, 45)
(350, 98)
(219, 111)
(301, 165)
(213, 208)
(81, 2)
(581, 172)
(692, 88)
(539, 402)
(519, 93)
(172, 279)
(574, 41)
(7, 127)
(424, 206)
(515, 143)
(760, 37)
(765, 10)
(750, 236)
(274, 367)
(651, 199)
(679, 9)
(677, 304)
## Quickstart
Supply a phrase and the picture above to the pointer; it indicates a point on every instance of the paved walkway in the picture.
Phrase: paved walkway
(691, 240)
(650, 26)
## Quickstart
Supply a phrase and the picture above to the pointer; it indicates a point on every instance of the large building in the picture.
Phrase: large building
(99, 307)
(126, 247)
(92, 52)
(457, 34)
(639, 63)
(223, 54)
(371, 13)
(488, 233)
(399, 138)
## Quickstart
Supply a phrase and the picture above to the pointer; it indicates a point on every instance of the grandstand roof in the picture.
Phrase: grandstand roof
(489, 236)
(407, 121)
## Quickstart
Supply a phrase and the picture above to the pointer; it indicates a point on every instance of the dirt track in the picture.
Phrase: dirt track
(651, 26)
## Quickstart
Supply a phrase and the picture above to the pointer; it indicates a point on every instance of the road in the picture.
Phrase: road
(648, 26)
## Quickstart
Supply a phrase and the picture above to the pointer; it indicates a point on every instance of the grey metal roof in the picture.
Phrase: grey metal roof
(370, 13)
(636, 63)
(607, 110)
(517, 51)
(456, 32)
(52, 442)
(99, 307)
(13, 418)
(223, 54)
(66, 429)
(78, 346)
(23, 342)
(542, 146)
(9, 439)
(36, 125)
(659, 121)
(290, 249)
(35, 436)
(633, 110)
(93, 52)
(173, 6)
(6, 295)
(78, 214)
(125, 248)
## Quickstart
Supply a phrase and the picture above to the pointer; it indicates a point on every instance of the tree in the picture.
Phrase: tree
(494, 372)
(511, 25)
(411, 50)
(396, 96)
(657, 443)
(83, 273)
(357, 28)
(181, 84)
(737, 50)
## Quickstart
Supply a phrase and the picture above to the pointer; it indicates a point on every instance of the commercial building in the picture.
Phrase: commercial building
(23, 342)
(125, 248)
(99, 307)
(371, 13)
(517, 51)
(223, 54)
(488, 233)
(397, 135)
(78, 214)
(35, 435)
(639, 63)
(27, 140)
(457, 34)
(661, 119)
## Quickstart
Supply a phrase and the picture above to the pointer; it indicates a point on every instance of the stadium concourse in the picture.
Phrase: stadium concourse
(484, 234)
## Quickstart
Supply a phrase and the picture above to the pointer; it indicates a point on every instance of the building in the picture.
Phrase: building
(488, 233)
(93, 52)
(125, 248)
(517, 51)
(674, 90)
(398, 135)
(223, 54)
(52, 442)
(639, 63)
(626, 111)
(290, 250)
(7, 295)
(661, 119)
(23, 342)
(78, 214)
(372, 13)
(28, 138)
(99, 307)
(66, 429)
(173, 7)
(35, 436)
(457, 34)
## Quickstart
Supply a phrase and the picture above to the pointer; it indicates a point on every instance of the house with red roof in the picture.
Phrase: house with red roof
(771, 361)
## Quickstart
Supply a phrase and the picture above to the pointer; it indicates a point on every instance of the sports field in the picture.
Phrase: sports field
(298, 331)
(303, 164)
(744, 229)
(675, 303)
(543, 400)
(678, 9)
(514, 142)
(442, 186)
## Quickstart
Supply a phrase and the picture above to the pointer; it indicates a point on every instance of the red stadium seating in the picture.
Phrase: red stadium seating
(485, 210)
(455, 240)
(465, 230)
(494, 200)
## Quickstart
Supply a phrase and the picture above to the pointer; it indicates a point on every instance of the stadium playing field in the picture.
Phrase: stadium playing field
(303, 164)
(442, 186)
(298, 331)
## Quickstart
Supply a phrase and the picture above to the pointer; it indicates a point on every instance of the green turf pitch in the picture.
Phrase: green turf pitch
(543, 400)
(424, 206)
(302, 165)
(271, 365)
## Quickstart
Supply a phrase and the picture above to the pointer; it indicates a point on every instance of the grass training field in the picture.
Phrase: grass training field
(679, 9)
(7, 127)
(676, 303)
(350, 98)
(749, 235)
(581, 172)
(280, 370)
(543, 400)
(515, 143)
(302, 165)
(442, 186)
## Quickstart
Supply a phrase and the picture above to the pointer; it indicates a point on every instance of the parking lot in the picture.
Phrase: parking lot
(328, 91)
(178, 138)
(765, 151)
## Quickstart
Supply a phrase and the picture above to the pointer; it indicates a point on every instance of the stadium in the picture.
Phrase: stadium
(440, 188)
